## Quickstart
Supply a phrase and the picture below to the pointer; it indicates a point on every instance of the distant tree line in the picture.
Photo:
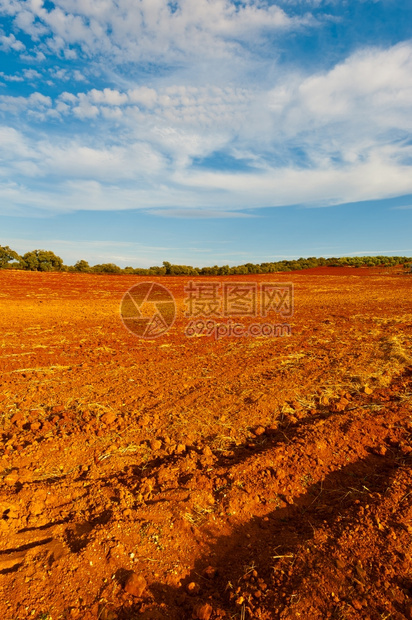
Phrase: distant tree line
(45, 260)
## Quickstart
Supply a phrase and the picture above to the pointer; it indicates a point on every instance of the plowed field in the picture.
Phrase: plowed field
(188, 477)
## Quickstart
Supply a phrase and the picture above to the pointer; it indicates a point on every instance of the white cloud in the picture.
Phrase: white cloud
(36, 57)
(379, 177)
(10, 42)
(199, 214)
(35, 102)
(59, 74)
(372, 81)
(105, 164)
(78, 76)
(11, 78)
(85, 109)
(13, 144)
(70, 54)
(143, 95)
(25, 20)
(68, 97)
(108, 96)
(112, 113)
(149, 29)
(336, 136)
(31, 74)
(39, 100)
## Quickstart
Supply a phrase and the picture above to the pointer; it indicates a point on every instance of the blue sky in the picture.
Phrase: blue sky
(205, 131)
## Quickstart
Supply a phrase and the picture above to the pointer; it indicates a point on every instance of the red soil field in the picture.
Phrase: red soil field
(193, 477)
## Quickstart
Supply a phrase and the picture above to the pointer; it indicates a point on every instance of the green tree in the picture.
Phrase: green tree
(8, 257)
(156, 271)
(107, 268)
(82, 266)
(42, 260)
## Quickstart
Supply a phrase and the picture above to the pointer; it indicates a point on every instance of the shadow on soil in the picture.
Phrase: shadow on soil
(271, 545)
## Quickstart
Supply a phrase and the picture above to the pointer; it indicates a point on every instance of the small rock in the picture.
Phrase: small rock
(135, 585)
(202, 611)
(193, 587)
(155, 444)
(207, 451)
(108, 418)
(17, 419)
(34, 426)
(260, 430)
(180, 448)
(367, 390)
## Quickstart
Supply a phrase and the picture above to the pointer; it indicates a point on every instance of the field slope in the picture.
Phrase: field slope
(199, 478)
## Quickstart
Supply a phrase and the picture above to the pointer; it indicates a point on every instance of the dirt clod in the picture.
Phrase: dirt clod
(259, 430)
(108, 418)
(180, 448)
(135, 585)
(193, 588)
(155, 444)
(203, 611)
